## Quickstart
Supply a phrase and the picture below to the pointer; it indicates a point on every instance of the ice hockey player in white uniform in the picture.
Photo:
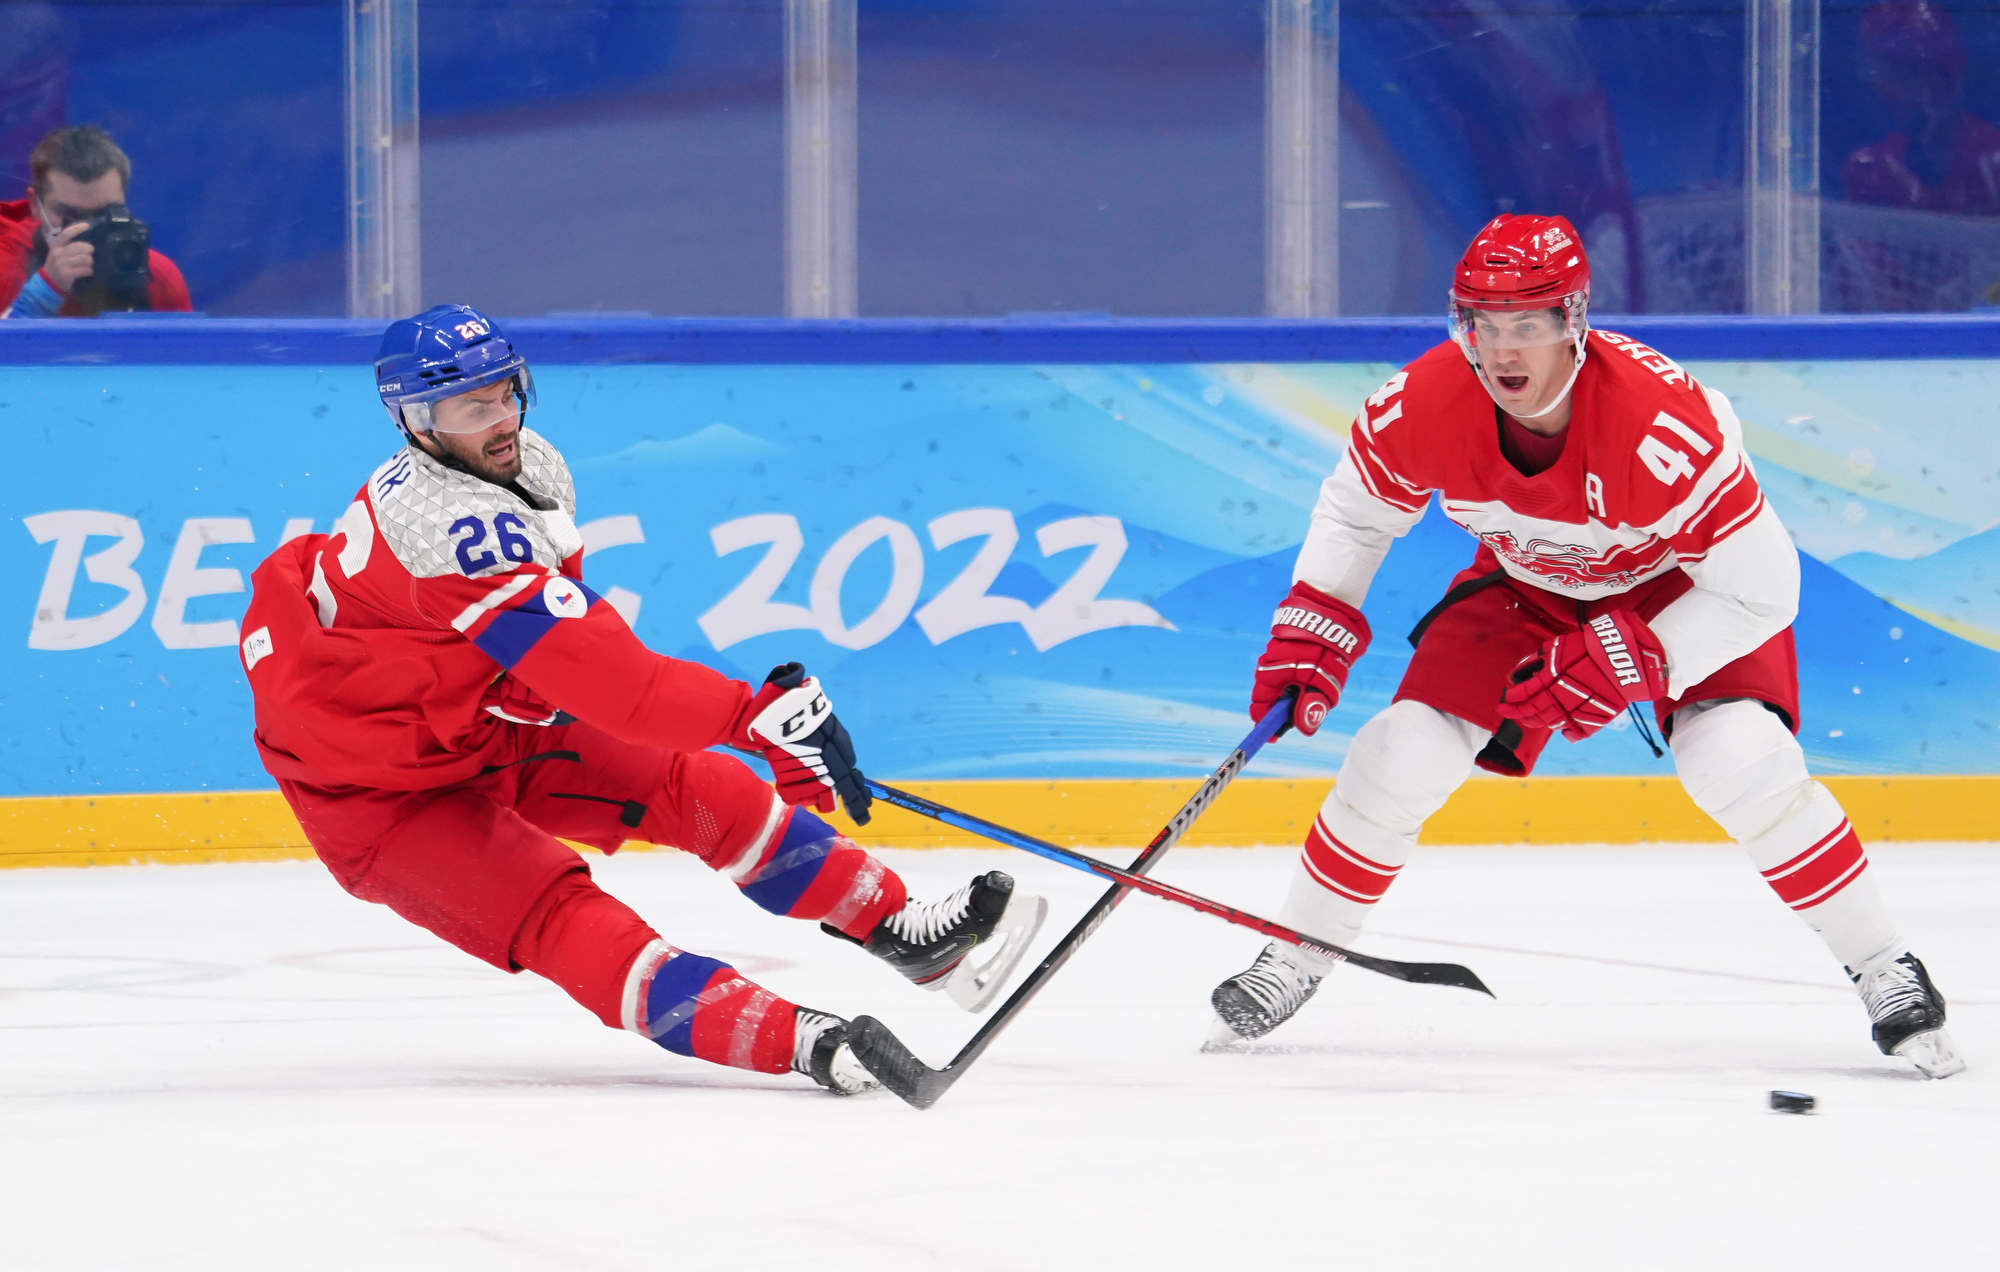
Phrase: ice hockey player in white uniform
(1626, 556)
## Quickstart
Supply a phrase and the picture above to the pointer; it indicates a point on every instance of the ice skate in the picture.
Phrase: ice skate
(821, 1053)
(965, 944)
(1253, 1002)
(1908, 1013)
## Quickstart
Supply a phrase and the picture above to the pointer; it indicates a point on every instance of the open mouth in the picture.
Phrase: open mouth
(500, 452)
(1512, 383)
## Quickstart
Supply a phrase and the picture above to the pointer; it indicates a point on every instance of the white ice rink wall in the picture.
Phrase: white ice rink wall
(1036, 561)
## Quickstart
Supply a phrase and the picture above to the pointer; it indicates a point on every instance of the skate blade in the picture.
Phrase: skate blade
(984, 970)
(1934, 1054)
(1221, 1038)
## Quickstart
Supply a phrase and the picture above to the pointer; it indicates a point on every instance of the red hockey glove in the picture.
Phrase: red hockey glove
(791, 723)
(1581, 680)
(1314, 640)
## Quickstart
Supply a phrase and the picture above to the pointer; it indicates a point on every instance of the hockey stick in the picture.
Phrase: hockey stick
(1417, 973)
(885, 1056)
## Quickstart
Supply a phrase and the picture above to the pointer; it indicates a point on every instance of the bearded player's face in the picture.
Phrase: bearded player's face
(481, 429)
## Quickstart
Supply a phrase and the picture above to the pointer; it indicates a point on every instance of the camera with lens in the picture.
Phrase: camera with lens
(121, 273)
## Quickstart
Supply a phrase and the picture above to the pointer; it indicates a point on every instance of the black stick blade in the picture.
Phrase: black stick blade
(883, 1054)
(1445, 974)
(1454, 974)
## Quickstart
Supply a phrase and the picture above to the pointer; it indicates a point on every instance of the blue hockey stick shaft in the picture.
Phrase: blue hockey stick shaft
(902, 1072)
(1421, 973)
(1170, 834)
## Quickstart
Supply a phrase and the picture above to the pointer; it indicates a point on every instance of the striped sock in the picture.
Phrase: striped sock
(1815, 863)
(702, 1007)
(803, 869)
(1346, 866)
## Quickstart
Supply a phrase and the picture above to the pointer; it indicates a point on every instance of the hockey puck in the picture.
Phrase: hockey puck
(1791, 1102)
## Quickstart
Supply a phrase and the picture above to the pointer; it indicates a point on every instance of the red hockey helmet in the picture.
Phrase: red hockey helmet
(1522, 262)
(1518, 264)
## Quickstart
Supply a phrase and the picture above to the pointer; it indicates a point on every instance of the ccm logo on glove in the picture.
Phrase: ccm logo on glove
(790, 722)
(806, 719)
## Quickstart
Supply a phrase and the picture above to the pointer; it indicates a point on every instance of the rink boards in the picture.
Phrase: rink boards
(1089, 813)
(1033, 564)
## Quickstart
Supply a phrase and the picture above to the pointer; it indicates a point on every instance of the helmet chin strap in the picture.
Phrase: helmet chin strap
(1555, 401)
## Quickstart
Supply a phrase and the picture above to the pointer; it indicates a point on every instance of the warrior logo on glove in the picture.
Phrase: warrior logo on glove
(1581, 680)
(1615, 654)
(1315, 638)
(1327, 629)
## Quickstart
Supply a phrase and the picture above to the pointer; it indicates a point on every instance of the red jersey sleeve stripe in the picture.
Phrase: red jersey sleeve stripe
(1737, 476)
(1738, 521)
(1730, 494)
(496, 598)
(1376, 478)
(1365, 449)
(1744, 518)
(511, 633)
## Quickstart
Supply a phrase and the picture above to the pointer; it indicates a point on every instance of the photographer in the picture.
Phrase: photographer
(72, 248)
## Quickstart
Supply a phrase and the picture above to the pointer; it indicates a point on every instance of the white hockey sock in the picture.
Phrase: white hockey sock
(1401, 767)
(1815, 863)
(1745, 769)
(1347, 864)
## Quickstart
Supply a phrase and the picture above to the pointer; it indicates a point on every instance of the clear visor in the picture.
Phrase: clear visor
(475, 410)
(1476, 329)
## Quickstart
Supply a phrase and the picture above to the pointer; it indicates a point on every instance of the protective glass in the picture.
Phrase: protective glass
(462, 414)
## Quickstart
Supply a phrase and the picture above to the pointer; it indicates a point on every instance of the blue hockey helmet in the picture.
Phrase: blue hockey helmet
(442, 352)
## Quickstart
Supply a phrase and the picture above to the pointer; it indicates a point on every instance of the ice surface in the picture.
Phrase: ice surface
(241, 1067)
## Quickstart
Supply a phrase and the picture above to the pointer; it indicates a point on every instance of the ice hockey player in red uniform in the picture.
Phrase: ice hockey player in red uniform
(1626, 556)
(440, 696)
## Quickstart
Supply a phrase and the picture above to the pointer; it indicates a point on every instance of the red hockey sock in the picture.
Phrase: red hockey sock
(607, 958)
(807, 870)
(585, 940)
(702, 1007)
(785, 859)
